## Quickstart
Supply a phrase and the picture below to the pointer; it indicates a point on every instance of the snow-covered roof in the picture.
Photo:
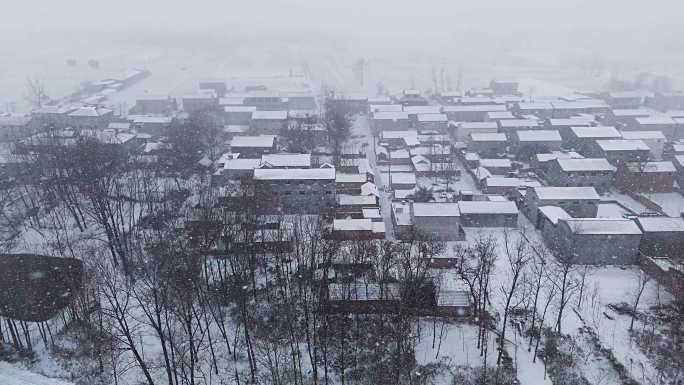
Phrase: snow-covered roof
(432, 117)
(518, 123)
(496, 162)
(595, 132)
(364, 291)
(664, 166)
(294, 173)
(602, 226)
(538, 136)
(436, 209)
(386, 108)
(554, 213)
(487, 207)
(269, 115)
(90, 112)
(149, 119)
(114, 125)
(418, 110)
(253, 141)
(478, 125)
(399, 154)
(371, 213)
(546, 157)
(390, 115)
(654, 224)
(400, 134)
(475, 108)
(240, 163)
(643, 135)
(403, 178)
(535, 106)
(286, 160)
(585, 164)
(500, 115)
(511, 182)
(239, 108)
(660, 120)
(488, 137)
(364, 224)
(356, 200)
(369, 188)
(622, 145)
(566, 193)
(350, 178)
(575, 121)
(632, 112)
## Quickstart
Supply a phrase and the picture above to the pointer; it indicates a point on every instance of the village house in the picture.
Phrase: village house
(303, 100)
(507, 186)
(353, 104)
(401, 180)
(580, 202)
(373, 108)
(474, 113)
(152, 125)
(582, 138)
(509, 127)
(619, 150)
(412, 97)
(199, 102)
(462, 130)
(598, 241)
(268, 122)
(231, 167)
(295, 191)
(624, 99)
(495, 116)
(539, 162)
(568, 109)
(398, 139)
(497, 166)
(646, 176)
(662, 237)
(547, 223)
(400, 157)
(665, 101)
(390, 121)
(527, 143)
(564, 125)
(350, 183)
(357, 229)
(623, 117)
(253, 146)
(596, 172)
(363, 297)
(453, 295)
(488, 145)
(352, 205)
(663, 123)
(238, 115)
(488, 213)
(265, 100)
(439, 221)
(154, 105)
(655, 140)
(432, 123)
(90, 118)
(56, 116)
(542, 110)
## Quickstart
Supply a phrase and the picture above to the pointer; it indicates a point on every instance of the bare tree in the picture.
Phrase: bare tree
(35, 93)
(643, 280)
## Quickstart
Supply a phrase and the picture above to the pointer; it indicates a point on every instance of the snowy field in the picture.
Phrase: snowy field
(13, 374)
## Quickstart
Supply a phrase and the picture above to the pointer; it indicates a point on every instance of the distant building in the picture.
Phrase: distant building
(582, 138)
(268, 122)
(488, 213)
(507, 186)
(90, 118)
(625, 99)
(295, 191)
(599, 241)
(357, 229)
(253, 146)
(539, 162)
(490, 145)
(154, 105)
(439, 221)
(542, 110)
(509, 127)
(390, 121)
(665, 101)
(580, 202)
(198, 102)
(474, 113)
(646, 176)
(527, 143)
(665, 124)
(217, 85)
(238, 115)
(619, 150)
(662, 237)
(153, 125)
(504, 87)
(462, 130)
(591, 172)
(432, 123)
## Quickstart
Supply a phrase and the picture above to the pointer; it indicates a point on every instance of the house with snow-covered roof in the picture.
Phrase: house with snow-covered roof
(655, 140)
(647, 176)
(576, 201)
(619, 150)
(662, 237)
(488, 144)
(596, 172)
(598, 241)
(527, 143)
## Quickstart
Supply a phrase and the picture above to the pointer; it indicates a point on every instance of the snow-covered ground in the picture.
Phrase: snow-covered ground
(14, 374)
(671, 203)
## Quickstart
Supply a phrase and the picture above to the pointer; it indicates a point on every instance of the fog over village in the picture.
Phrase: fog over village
(342, 193)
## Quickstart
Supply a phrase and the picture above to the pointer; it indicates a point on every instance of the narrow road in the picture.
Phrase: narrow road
(361, 127)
